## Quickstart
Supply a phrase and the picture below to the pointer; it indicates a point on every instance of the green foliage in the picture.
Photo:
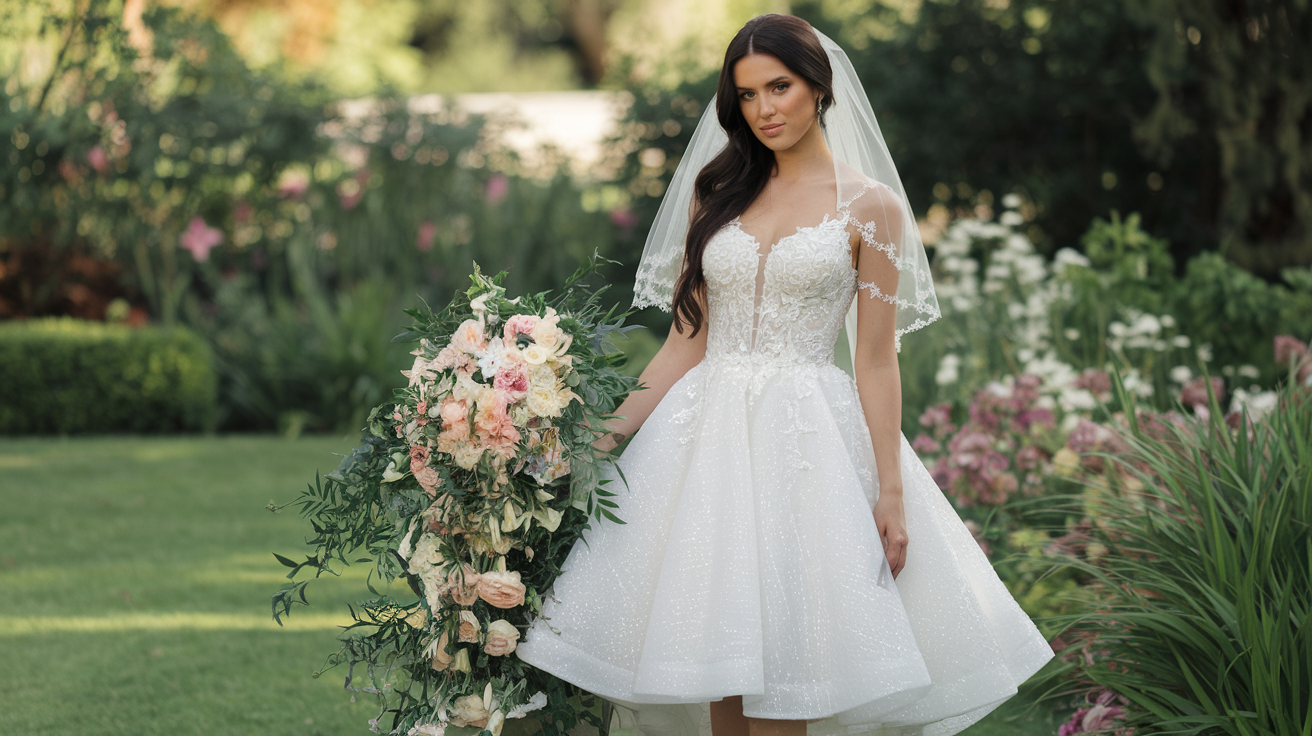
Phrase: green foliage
(68, 376)
(1223, 74)
(1205, 618)
(1238, 313)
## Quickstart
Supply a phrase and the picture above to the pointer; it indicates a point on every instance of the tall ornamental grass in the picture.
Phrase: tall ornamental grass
(1207, 576)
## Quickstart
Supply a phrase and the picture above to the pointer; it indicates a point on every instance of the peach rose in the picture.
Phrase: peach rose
(470, 628)
(501, 589)
(463, 593)
(441, 660)
(502, 638)
(469, 338)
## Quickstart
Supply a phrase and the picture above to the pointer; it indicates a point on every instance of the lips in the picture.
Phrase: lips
(772, 129)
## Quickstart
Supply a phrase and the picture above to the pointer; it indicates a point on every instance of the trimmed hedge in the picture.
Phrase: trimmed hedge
(62, 375)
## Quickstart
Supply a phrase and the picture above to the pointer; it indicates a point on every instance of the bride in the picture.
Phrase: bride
(786, 566)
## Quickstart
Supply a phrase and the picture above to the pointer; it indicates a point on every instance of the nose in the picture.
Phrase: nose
(767, 107)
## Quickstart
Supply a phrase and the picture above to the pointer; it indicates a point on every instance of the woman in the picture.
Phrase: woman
(771, 500)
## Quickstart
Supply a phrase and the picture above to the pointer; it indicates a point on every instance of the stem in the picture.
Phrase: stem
(59, 59)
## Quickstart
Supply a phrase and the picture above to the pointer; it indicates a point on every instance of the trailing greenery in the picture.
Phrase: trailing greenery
(65, 375)
(1204, 572)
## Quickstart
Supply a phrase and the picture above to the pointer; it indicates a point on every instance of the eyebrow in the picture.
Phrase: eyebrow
(776, 80)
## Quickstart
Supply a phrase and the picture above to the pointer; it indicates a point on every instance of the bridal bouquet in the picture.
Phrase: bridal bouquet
(466, 494)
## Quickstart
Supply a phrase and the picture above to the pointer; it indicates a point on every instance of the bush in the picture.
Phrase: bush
(63, 375)
(1205, 568)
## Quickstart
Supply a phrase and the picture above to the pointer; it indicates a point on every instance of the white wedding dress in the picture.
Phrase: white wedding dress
(750, 563)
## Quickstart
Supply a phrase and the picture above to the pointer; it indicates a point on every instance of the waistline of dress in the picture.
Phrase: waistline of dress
(759, 361)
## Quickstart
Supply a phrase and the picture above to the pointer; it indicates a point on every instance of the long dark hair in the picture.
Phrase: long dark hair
(729, 182)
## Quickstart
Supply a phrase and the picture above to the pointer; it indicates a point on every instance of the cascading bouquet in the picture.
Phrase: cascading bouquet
(471, 486)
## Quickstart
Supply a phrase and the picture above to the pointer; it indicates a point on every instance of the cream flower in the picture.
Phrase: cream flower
(468, 710)
(426, 555)
(502, 638)
(535, 354)
(467, 455)
(418, 618)
(470, 628)
(460, 663)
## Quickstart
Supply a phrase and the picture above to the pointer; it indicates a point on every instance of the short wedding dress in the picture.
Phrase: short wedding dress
(750, 563)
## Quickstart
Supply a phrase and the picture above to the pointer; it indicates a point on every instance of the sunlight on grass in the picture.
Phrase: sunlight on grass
(23, 626)
(14, 462)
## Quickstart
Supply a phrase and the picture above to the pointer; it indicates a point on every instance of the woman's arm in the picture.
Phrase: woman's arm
(876, 371)
(680, 352)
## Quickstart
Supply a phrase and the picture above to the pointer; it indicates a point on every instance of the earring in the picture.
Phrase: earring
(818, 108)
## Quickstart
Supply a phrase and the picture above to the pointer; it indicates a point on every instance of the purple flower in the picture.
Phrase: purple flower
(1096, 382)
(200, 238)
(1035, 417)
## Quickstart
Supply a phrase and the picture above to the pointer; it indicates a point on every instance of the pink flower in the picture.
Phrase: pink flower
(293, 184)
(200, 239)
(351, 191)
(424, 238)
(1035, 417)
(926, 445)
(938, 419)
(455, 419)
(512, 377)
(1030, 457)
(623, 218)
(242, 212)
(1194, 394)
(1096, 382)
(497, 188)
(98, 159)
(1289, 349)
(519, 324)
(469, 338)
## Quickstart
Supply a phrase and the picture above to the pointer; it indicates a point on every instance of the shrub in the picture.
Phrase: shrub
(1205, 568)
(63, 375)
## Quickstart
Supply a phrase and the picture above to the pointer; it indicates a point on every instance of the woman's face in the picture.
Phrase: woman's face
(777, 104)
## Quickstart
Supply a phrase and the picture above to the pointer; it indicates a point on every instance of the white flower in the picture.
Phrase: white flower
(1249, 371)
(1147, 325)
(535, 354)
(490, 359)
(1011, 218)
(1205, 352)
(1070, 257)
(1181, 374)
(1180, 341)
(427, 729)
(947, 369)
(1011, 201)
(426, 555)
(479, 304)
(1072, 334)
(538, 700)
(1076, 399)
(1168, 321)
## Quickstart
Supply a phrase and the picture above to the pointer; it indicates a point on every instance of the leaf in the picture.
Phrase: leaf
(285, 561)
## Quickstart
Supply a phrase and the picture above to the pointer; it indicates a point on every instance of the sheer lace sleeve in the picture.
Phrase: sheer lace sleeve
(889, 268)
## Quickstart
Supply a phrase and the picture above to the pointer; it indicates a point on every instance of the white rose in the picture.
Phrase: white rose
(535, 354)
(426, 555)
(467, 455)
(544, 401)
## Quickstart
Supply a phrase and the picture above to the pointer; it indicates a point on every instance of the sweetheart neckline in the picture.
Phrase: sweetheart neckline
(736, 223)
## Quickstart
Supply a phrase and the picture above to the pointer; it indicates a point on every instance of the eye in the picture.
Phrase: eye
(781, 86)
(743, 95)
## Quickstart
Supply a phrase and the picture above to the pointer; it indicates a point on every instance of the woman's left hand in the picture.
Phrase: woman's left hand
(892, 525)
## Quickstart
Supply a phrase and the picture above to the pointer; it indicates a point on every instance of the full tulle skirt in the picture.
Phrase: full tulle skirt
(750, 564)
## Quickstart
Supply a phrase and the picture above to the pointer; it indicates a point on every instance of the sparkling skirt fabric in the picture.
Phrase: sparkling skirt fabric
(750, 565)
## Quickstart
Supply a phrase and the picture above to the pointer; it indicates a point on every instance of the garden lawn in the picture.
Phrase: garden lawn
(136, 576)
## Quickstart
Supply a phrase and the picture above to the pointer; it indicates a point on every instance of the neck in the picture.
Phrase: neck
(809, 157)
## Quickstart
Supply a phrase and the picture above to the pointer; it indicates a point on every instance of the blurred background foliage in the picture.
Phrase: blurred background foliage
(271, 175)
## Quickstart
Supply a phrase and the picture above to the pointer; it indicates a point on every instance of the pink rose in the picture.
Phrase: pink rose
(455, 418)
(493, 423)
(512, 377)
(519, 324)
(502, 638)
(501, 589)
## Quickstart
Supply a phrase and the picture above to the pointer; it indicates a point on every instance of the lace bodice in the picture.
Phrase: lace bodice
(780, 304)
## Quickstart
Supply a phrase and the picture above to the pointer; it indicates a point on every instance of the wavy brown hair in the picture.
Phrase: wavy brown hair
(729, 182)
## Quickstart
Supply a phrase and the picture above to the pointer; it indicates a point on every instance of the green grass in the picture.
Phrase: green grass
(135, 578)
